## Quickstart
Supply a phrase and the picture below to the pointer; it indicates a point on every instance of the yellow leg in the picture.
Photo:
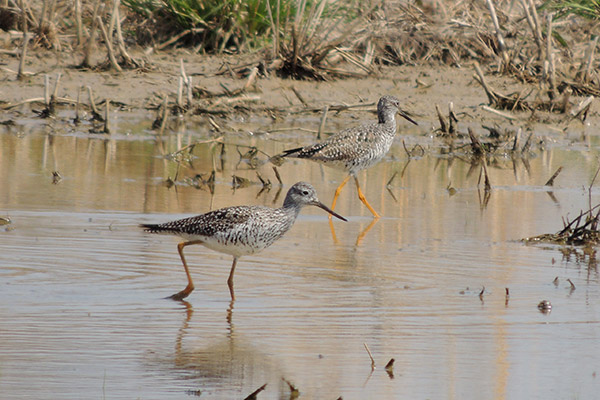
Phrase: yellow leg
(337, 194)
(230, 279)
(190, 286)
(362, 198)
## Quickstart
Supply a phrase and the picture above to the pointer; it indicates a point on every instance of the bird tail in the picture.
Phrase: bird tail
(291, 152)
(154, 228)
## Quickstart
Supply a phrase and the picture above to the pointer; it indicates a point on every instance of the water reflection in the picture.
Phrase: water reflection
(81, 286)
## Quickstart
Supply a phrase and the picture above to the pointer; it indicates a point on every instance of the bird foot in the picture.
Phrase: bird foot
(180, 295)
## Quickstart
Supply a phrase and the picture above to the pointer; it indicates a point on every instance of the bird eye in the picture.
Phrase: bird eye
(305, 192)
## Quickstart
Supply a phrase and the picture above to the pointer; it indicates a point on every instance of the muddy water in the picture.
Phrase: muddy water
(82, 289)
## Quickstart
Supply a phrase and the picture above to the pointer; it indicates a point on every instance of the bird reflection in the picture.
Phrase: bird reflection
(360, 236)
(227, 361)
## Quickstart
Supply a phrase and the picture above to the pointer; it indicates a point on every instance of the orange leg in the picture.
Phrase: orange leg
(337, 194)
(190, 286)
(333, 235)
(360, 237)
(230, 279)
(362, 198)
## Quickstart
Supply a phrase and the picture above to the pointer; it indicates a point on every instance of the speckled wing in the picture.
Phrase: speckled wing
(339, 147)
(208, 224)
(343, 149)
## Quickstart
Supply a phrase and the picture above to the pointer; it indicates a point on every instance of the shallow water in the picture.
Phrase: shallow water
(82, 288)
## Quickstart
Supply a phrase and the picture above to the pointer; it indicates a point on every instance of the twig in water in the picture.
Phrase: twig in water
(443, 126)
(299, 96)
(476, 145)
(516, 140)
(253, 395)
(107, 116)
(323, 120)
(487, 185)
(389, 368)
(527, 143)
(370, 356)
(76, 120)
(590, 190)
(277, 175)
(95, 112)
(572, 284)
(294, 392)
(551, 180)
(451, 118)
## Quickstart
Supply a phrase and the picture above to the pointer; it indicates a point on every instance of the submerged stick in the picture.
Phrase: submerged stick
(180, 93)
(516, 140)
(47, 90)
(299, 96)
(443, 126)
(163, 121)
(323, 120)
(95, 113)
(76, 120)
(107, 116)
(55, 91)
(451, 118)
(389, 368)
(252, 396)
(476, 146)
(370, 356)
(550, 181)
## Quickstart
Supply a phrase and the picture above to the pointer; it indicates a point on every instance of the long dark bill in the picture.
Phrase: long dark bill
(405, 115)
(330, 211)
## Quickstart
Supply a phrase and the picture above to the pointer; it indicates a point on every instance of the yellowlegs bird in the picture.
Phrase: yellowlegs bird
(357, 148)
(239, 230)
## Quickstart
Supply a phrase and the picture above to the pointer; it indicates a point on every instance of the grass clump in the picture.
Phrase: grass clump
(214, 24)
(589, 9)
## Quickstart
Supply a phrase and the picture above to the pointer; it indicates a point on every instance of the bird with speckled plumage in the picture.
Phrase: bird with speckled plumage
(239, 230)
(357, 148)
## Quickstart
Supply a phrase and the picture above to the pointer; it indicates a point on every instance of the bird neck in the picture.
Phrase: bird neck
(290, 206)
(386, 117)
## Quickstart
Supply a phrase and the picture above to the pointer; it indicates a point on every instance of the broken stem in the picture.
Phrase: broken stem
(370, 356)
